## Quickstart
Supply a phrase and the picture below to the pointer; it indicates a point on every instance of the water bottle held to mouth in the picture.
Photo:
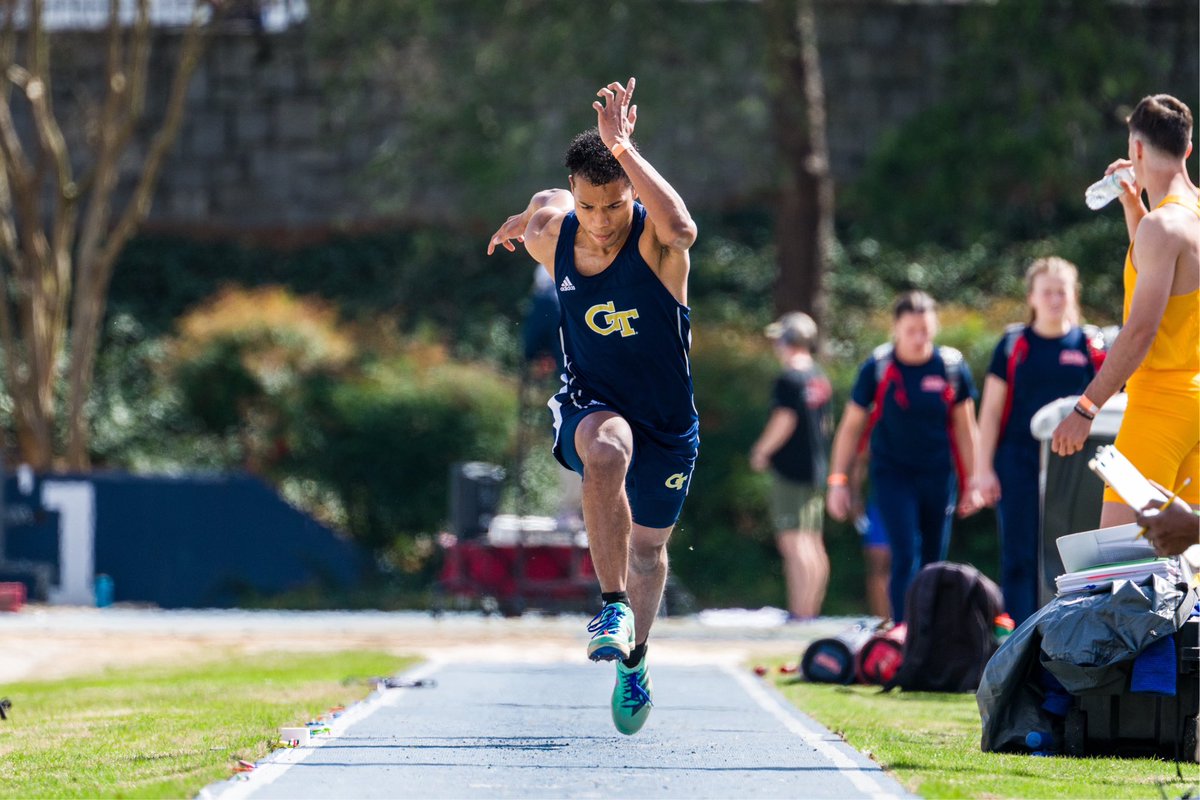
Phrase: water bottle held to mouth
(1107, 189)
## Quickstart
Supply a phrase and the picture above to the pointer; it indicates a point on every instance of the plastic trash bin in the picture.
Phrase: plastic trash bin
(1069, 494)
(475, 488)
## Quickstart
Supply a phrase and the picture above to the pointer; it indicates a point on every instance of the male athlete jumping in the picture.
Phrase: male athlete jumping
(616, 244)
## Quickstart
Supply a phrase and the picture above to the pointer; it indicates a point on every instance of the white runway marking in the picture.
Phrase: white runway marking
(275, 765)
(770, 703)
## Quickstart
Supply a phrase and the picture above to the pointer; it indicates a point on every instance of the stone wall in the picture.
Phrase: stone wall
(262, 148)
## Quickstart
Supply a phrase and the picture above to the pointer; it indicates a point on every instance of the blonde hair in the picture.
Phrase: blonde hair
(1060, 268)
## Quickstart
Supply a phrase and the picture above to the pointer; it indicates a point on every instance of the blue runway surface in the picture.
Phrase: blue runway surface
(530, 730)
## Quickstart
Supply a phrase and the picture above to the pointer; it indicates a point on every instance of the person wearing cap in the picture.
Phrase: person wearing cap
(794, 445)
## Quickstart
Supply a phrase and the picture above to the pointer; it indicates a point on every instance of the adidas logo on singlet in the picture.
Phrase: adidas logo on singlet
(566, 285)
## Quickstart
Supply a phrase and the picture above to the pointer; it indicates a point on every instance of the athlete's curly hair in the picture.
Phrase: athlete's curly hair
(589, 158)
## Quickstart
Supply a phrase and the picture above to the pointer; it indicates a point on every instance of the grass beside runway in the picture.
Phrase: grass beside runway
(930, 743)
(168, 731)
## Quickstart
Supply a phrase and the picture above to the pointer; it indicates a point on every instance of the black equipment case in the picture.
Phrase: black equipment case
(1130, 724)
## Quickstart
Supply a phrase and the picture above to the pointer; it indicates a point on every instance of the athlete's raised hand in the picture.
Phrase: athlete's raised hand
(615, 117)
(1133, 191)
(513, 228)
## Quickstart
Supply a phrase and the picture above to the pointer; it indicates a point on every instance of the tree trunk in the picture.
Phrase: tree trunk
(804, 212)
(100, 243)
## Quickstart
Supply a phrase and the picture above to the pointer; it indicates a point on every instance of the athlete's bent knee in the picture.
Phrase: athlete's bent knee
(606, 458)
(647, 559)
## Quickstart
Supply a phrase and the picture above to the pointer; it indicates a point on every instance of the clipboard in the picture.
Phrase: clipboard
(1119, 472)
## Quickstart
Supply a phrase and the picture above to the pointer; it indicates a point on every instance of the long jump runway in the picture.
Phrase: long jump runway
(535, 730)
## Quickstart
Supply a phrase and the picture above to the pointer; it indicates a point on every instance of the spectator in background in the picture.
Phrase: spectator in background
(793, 445)
(877, 553)
(1033, 364)
(913, 408)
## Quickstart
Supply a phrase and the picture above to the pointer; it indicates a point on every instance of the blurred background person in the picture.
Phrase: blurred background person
(913, 409)
(793, 446)
(877, 553)
(1033, 364)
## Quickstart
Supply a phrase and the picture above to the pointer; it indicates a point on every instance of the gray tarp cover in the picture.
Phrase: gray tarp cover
(1086, 641)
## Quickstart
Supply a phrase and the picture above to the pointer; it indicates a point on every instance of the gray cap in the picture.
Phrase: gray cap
(794, 328)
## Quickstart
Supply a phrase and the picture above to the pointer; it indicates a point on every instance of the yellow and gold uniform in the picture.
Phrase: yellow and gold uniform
(1160, 432)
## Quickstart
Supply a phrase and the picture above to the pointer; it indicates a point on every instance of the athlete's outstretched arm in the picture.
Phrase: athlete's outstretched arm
(1155, 251)
(615, 118)
(535, 226)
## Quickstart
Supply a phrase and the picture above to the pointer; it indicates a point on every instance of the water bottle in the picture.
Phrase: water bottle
(1040, 743)
(1107, 189)
(104, 591)
(1002, 627)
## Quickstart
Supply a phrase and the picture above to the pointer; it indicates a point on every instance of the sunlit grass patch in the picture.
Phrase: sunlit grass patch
(167, 731)
(930, 743)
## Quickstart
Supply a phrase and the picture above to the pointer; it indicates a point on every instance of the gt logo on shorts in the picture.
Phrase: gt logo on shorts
(613, 320)
(676, 481)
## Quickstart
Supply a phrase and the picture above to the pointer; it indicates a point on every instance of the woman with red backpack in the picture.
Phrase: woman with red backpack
(1033, 364)
(912, 408)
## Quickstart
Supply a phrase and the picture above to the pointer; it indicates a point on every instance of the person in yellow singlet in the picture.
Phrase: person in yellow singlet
(1157, 355)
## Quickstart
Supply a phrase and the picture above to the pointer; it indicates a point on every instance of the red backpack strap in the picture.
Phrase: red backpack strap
(887, 374)
(1094, 346)
(1016, 349)
(952, 364)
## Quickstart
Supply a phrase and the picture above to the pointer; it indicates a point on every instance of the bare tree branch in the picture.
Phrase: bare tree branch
(10, 143)
(103, 178)
(95, 266)
(139, 205)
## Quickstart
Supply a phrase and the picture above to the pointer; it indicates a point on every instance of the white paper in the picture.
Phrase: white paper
(1118, 472)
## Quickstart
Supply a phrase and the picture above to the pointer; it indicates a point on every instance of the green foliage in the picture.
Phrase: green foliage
(867, 274)
(1033, 112)
(723, 548)
(140, 419)
(384, 442)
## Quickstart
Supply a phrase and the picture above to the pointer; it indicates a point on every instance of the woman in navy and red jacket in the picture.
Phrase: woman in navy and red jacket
(913, 408)
(1033, 364)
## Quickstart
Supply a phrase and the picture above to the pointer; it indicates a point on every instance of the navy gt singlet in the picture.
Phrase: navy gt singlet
(625, 339)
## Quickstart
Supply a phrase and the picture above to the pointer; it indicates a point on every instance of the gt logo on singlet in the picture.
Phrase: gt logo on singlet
(613, 320)
(676, 481)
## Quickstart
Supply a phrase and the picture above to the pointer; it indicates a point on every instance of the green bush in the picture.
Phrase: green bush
(383, 444)
(722, 549)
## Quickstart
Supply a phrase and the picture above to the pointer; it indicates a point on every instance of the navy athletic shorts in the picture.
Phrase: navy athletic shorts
(659, 475)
